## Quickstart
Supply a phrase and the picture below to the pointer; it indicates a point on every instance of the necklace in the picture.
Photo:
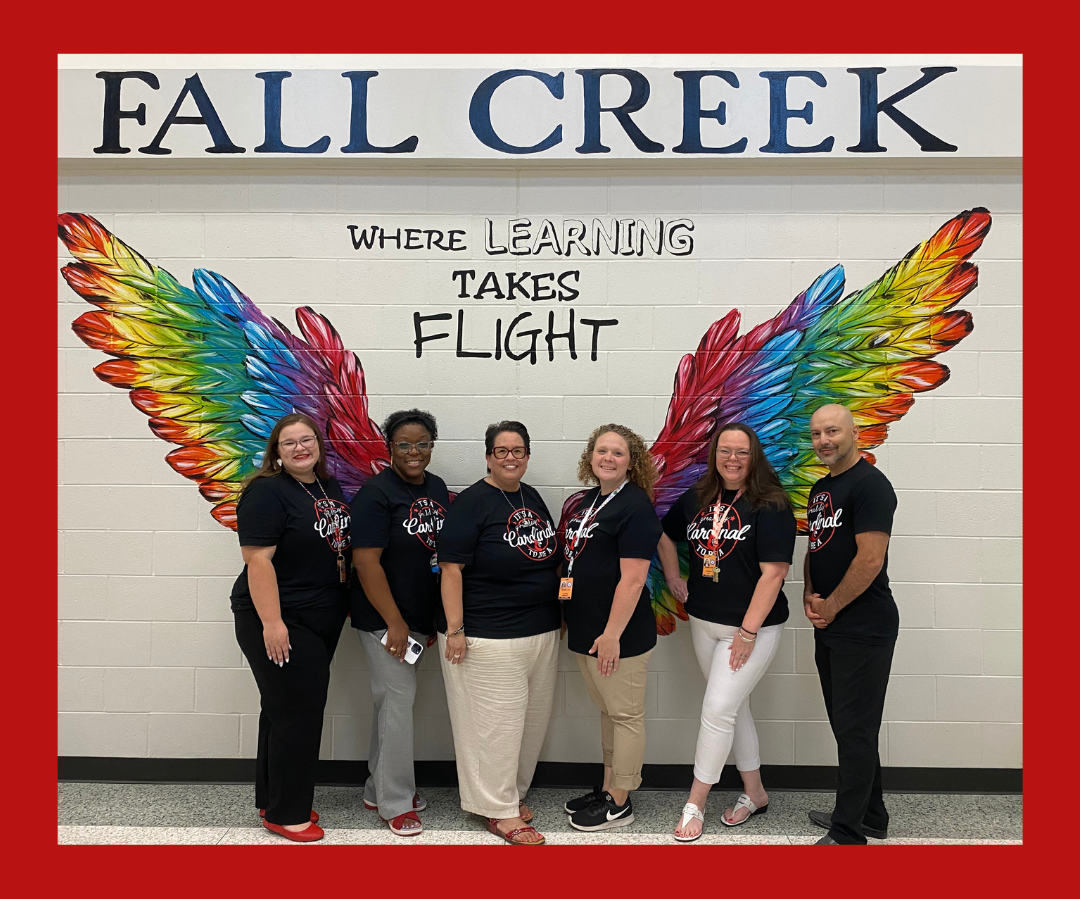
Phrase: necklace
(507, 498)
(341, 567)
(503, 492)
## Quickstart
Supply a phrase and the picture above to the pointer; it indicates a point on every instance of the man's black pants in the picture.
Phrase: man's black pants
(854, 677)
(293, 700)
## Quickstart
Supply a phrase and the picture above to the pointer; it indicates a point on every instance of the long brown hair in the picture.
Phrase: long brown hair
(641, 471)
(763, 487)
(271, 460)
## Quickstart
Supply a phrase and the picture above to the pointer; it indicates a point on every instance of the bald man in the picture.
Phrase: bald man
(847, 598)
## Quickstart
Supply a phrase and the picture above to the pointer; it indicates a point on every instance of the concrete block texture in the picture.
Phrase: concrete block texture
(150, 689)
(148, 661)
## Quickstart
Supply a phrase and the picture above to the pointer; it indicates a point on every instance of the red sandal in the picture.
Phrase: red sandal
(396, 825)
(418, 804)
(493, 827)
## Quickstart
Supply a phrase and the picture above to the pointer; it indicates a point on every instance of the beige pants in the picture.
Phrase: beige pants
(621, 700)
(500, 701)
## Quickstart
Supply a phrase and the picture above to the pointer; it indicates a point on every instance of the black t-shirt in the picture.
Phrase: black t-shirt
(859, 500)
(309, 534)
(404, 519)
(508, 545)
(626, 528)
(749, 536)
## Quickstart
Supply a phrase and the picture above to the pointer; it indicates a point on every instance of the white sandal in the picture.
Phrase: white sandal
(745, 802)
(690, 811)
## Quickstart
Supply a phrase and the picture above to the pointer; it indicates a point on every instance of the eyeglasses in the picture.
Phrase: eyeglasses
(724, 453)
(423, 446)
(305, 442)
(501, 452)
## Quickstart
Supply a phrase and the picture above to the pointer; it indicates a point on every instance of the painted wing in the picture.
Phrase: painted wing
(211, 371)
(871, 351)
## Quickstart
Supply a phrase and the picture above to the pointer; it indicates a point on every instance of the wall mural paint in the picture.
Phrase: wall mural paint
(214, 373)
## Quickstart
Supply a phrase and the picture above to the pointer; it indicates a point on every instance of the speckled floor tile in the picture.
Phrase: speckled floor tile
(115, 836)
(936, 817)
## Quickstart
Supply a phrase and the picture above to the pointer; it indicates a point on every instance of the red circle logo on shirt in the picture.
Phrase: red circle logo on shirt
(531, 534)
(821, 520)
(332, 522)
(425, 520)
(699, 533)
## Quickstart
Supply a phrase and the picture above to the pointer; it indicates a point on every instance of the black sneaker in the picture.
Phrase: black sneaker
(603, 814)
(583, 802)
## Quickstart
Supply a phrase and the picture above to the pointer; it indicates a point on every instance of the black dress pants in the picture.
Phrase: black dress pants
(293, 700)
(854, 677)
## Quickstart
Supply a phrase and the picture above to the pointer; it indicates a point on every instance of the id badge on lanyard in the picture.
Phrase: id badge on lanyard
(566, 584)
(710, 567)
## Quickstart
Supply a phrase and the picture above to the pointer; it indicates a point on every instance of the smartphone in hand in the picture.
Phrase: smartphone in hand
(412, 653)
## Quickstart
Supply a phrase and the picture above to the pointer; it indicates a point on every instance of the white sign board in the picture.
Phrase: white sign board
(561, 113)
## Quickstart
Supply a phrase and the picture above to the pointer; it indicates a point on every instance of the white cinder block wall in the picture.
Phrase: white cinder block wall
(148, 665)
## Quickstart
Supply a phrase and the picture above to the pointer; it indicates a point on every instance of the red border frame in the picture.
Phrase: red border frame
(688, 27)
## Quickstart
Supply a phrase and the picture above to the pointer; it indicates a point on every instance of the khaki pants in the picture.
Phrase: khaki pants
(621, 700)
(500, 701)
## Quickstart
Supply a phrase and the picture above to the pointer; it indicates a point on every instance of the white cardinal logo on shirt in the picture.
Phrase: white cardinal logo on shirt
(531, 534)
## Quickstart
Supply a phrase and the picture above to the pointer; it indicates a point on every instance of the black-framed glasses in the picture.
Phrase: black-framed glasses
(423, 446)
(305, 442)
(501, 452)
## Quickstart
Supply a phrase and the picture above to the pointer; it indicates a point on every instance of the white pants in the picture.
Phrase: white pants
(500, 701)
(726, 722)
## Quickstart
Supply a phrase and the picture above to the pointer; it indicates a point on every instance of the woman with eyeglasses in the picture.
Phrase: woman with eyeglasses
(289, 604)
(740, 529)
(499, 635)
(397, 517)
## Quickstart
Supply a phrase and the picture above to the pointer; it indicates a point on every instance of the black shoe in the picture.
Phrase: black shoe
(826, 841)
(824, 819)
(583, 802)
(603, 814)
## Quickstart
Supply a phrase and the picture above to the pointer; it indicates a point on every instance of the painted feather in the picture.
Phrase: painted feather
(870, 351)
(211, 371)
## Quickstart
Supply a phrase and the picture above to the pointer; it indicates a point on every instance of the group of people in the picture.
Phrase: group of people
(501, 584)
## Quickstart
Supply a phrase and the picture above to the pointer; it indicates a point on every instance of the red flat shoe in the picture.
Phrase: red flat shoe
(309, 834)
(314, 815)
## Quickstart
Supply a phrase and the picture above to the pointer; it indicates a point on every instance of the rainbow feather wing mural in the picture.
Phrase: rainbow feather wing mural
(870, 350)
(213, 373)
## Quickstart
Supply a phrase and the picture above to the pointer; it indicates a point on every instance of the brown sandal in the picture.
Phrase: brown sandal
(493, 827)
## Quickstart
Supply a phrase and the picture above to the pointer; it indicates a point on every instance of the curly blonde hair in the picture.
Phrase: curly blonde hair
(642, 470)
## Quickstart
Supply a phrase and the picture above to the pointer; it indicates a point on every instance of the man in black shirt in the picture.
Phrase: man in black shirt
(847, 598)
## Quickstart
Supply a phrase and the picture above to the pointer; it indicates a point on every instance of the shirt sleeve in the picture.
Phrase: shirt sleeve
(639, 532)
(260, 515)
(775, 541)
(873, 504)
(370, 517)
(461, 531)
(674, 521)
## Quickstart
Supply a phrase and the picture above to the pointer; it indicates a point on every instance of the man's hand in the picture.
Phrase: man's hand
(811, 613)
(825, 609)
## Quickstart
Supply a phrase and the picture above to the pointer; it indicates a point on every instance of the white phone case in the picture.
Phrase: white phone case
(412, 653)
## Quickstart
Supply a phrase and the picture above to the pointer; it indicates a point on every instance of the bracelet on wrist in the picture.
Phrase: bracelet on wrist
(746, 639)
(747, 630)
(460, 630)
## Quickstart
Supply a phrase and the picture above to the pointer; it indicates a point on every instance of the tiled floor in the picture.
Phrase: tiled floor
(225, 814)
